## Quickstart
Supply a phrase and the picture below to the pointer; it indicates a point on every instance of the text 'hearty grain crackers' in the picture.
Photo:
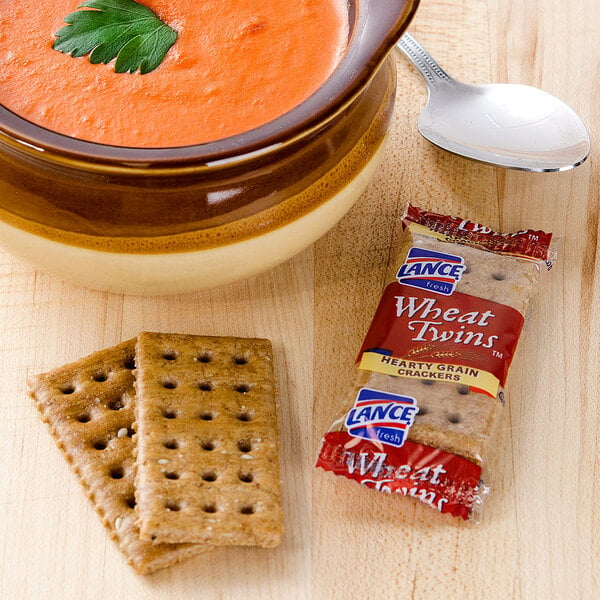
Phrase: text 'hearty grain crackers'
(207, 440)
(430, 376)
(89, 406)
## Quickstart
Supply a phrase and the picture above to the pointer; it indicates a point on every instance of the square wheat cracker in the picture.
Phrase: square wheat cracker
(89, 407)
(207, 440)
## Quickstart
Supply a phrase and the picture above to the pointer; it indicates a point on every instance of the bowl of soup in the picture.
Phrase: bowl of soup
(250, 140)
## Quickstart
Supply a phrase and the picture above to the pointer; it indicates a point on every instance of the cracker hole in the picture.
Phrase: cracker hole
(209, 476)
(240, 359)
(207, 416)
(463, 390)
(100, 376)
(84, 418)
(171, 475)
(242, 388)
(247, 509)
(206, 386)
(246, 477)
(208, 445)
(169, 384)
(100, 445)
(117, 473)
(169, 413)
(210, 508)
(171, 444)
(498, 276)
(170, 355)
(173, 506)
(244, 446)
(422, 411)
(454, 418)
(130, 502)
(205, 357)
(466, 270)
(245, 416)
(427, 381)
(67, 389)
(129, 362)
(116, 404)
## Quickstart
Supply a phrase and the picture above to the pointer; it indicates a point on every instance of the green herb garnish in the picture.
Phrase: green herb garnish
(116, 28)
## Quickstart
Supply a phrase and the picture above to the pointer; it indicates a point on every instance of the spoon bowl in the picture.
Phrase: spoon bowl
(507, 125)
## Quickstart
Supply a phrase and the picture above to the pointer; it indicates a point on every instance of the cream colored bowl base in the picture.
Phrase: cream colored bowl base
(162, 274)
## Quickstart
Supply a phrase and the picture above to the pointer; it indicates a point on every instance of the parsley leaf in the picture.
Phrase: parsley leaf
(116, 28)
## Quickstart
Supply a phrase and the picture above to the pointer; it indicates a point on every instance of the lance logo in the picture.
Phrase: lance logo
(381, 417)
(434, 271)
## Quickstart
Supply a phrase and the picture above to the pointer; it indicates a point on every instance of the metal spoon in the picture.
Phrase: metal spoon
(509, 125)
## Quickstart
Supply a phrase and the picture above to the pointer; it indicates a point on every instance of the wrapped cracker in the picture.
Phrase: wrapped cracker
(429, 379)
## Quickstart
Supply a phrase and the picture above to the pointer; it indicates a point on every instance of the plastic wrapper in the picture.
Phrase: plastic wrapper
(428, 388)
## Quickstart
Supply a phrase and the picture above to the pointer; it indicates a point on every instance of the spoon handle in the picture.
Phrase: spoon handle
(423, 61)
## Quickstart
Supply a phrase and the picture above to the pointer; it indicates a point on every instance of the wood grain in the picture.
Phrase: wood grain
(538, 537)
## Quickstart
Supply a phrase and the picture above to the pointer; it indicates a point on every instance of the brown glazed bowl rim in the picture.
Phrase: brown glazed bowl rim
(373, 32)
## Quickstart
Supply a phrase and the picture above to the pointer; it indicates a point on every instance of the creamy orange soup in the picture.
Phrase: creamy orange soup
(236, 64)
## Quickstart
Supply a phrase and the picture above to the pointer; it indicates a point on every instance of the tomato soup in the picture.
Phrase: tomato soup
(236, 64)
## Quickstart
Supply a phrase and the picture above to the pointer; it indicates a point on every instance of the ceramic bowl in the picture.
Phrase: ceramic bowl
(166, 221)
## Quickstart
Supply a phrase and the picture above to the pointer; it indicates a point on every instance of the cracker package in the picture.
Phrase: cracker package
(429, 379)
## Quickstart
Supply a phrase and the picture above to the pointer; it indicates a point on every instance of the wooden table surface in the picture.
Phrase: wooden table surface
(538, 537)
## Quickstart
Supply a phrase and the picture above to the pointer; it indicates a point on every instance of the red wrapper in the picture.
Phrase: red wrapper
(429, 378)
